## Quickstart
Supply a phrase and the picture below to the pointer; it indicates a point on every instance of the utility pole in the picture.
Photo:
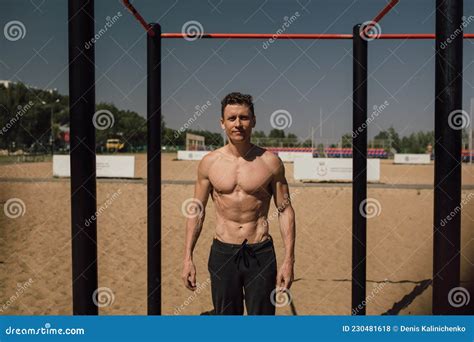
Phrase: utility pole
(51, 137)
(470, 132)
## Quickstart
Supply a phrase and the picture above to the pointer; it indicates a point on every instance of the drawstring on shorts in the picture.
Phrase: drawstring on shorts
(243, 253)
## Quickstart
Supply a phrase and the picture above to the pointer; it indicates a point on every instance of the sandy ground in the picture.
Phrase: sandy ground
(37, 244)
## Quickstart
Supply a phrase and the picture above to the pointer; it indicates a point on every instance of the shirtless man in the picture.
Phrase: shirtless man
(241, 179)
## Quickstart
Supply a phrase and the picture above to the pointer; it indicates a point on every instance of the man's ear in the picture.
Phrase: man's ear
(222, 123)
(254, 121)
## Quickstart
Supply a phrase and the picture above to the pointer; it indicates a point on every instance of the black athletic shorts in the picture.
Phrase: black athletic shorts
(239, 273)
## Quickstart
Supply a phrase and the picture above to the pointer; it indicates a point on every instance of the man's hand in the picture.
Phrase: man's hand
(285, 276)
(189, 275)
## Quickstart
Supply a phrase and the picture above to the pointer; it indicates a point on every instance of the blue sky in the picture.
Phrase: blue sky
(301, 77)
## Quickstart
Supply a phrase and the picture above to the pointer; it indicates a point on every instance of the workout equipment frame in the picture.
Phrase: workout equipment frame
(447, 190)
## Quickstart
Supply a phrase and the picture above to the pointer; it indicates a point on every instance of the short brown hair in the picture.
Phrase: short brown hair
(237, 98)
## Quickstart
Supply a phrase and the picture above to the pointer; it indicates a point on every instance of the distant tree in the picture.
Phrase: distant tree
(277, 133)
(259, 134)
(259, 138)
(388, 140)
(346, 140)
(276, 137)
(381, 140)
(417, 142)
(33, 127)
(291, 140)
(127, 126)
(394, 139)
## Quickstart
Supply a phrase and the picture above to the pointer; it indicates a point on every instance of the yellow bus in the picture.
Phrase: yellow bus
(113, 145)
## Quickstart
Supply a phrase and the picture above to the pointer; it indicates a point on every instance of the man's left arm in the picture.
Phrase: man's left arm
(286, 218)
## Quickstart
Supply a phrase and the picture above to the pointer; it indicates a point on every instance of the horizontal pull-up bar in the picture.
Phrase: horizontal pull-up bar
(301, 36)
(256, 36)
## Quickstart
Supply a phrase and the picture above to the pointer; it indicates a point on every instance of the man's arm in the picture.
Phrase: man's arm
(195, 213)
(286, 218)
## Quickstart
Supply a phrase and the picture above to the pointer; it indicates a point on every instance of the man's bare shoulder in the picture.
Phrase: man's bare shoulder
(209, 159)
(271, 159)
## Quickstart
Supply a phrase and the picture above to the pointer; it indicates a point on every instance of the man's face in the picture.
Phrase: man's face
(238, 122)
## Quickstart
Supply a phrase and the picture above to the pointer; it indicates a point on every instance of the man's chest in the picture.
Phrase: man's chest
(249, 176)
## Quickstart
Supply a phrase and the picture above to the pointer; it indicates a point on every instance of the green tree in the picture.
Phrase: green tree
(346, 140)
(276, 137)
(277, 133)
(292, 140)
(380, 140)
(127, 126)
(394, 139)
(259, 138)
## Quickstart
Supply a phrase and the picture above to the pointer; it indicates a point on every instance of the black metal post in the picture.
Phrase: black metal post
(83, 163)
(447, 191)
(359, 172)
(154, 170)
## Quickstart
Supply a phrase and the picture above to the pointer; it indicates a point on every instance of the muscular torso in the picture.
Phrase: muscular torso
(241, 191)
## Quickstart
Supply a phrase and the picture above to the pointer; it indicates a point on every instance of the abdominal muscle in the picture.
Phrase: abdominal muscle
(241, 216)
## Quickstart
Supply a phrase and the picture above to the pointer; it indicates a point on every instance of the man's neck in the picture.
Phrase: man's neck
(240, 150)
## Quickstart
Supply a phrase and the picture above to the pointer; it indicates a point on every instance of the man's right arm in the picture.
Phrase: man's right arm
(195, 213)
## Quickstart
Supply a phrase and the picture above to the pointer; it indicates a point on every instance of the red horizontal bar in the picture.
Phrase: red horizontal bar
(302, 36)
(408, 36)
(260, 36)
(417, 36)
